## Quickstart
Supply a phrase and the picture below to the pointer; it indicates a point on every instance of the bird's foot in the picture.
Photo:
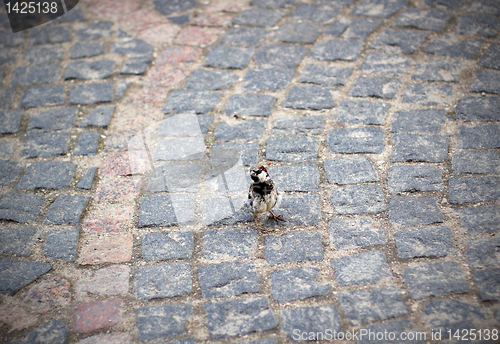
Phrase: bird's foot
(277, 218)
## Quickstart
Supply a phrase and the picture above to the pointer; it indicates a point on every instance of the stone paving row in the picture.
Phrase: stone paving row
(127, 129)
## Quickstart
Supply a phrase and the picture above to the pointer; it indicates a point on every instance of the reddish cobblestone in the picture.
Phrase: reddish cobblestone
(113, 9)
(116, 191)
(91, 316)
(155, 97)
(175, 55)
(119, 140)
(113, 338)
(125, 163)
(165, 75)
(15, 316)
(48, 294)
(114, 221)
(142, 19)
(159, 34)
(112, 280)
(211, 19)
(111, 248)
(192, 35)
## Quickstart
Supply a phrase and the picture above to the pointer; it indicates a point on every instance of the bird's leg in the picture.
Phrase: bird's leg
(277, 218)
(255, 219)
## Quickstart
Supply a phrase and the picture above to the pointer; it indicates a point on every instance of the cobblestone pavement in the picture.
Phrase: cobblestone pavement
(127, 129)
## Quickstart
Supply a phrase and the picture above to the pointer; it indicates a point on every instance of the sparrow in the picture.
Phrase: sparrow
(263, 194)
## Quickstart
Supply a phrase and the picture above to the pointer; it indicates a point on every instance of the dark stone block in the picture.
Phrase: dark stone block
(424, 19)
(191, 100)
(61, 244)
(358, 199)
(228, 279)
(304, 177)
(362, 268)
(348, 234)
(412, 211)
(309, 97)
(481, 136)
(94, 30)
(249, 130)
(491, 59)
(298, 125)
(271, 79)
(279, 56)
(381, 87)
(171, 6)
(471, 109)
(36, 96)
(399, 41)
(483, 252)
(317, 13)
(296, 284)
(166, 210)
(244, 36)
(304, 32)
(336, 49)
(20, 207)
(248, 153)
(486, 81)
(423, 121)
(357, 140)
(361, 112)
(86, 49)
(231, 242)
(351, 170)
(50, 34)
(397, 328)
(415, 147)
(488, 283)
(292, 148)
(297, 211)
(452, 5)
(205, 79)
(258, 17)
(8, 55)
(99, 117)
(474, 189)
(161, 281)
(362, 306)
(433, 94)
(356, 28)
(66, 210)
(15, 274)
(52, 120)
(424, 242)
(159, 322)
(164, 246)
(414, 178)
(379, 8)
(314, 321)
(480, 219)
(435, 279)
(295, 246)
(388, 64)
(89, 70)
(476, 162)
(52, 332)
(477, 24)
(87, 143)
(228, 57)
(17, 240)
(37, 74)
(452, 46)
(48, 175)
(250, 105)
(273, 4)
(10, 121)
(176, 177)
(86, 181)
(91, 93)
(239, 317)
(183, 19)
(9, 170)
(134, 46)
(45, 145)
(324, 75)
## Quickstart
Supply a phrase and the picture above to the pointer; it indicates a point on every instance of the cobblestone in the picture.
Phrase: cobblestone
(86, 181)
(86, 49)
(424, 242)
(398, 327)
(136, 65)
(270, 79)
(6, 95)
(434, 95)
(353, 28)
(336, 49)
(286, 248)
(301, 125)
(205, 79)
(304, 177)
(424, 19)
(363, 268)
(474, 189)
(91, 93)
(244, 36)
(112, 280)
(411, 211)
(476, 162)
(6, 150)
(317, 13)
(164, 246)
(228, 57)
(47, 174)
(134, 46)
(450, 45)
(231, 242)
(15, 274)
(47, 34)
(478, 109)
(351, 170)
(250, 105)
(296, 284)
(17, 240)
(481, 136)
(228, 279)
(249, 130)
(414, 178)
(258, 17)
(37, 74)
(158, 322)
(380, 87)
(488, 282)
(348, 234)
(10, 170)
(95, 30)
(309, 97)
(378, 8)
(477, 24)
(91, 316)
(399, 41)
(358, 140)
(98, 117)
(491, 57)
(8, 55)
(161, 281)
(114, 248)
(310, 320)
(52, 120)
(45, 95)
(20, 207)
(61, 244)
(358, 199)
(191, 100)
(288, 148)
(66, 210)
(54, 331)
(89, 70)
(486, 81)
(87, 143)
(159, 210)
(482, 252)
(480, 219)
(171, 6)
(325, 76)
(361, 112)
(423, 121)
(414, 147)
(279, 55)
(388, 64)
(304, 32)
(48, 294)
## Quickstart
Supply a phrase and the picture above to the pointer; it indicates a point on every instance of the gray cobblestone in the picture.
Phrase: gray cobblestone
(424, 19)
(358, 199)
(231, 242)
(99, 117)
(159, 322)
(6, 150)
(362, 112)
(37, 74)
(353, 28)
(399, 328)
(452, 5)
(304, 177)
(451, 45)
(424, 242)
(302, 32)
(89, 70)
(20, 207)
(476, 162)
(362, 306)
(56, 119)
(491, 58)
(273, 3)
(483, 6)
(244, 36)
(480, 220)
(478, 109)
(87, 143)
(423, 121)
(488, 283)
(161, 281)
(250, 105)
(136, 65)
(279, 55)
(299, 125)
(61, 244)
(435, 279)
(249, 130)
(47, 174)
(325, 75)
(8, 39)
(52, 332)
(317, 13)
(121, 88)
(270, 79)
(17, 240)
(6, 96)
(399, 41)
(296, 284)
(336, 49)
(298, 210)
(362, 268)
(351, 170)
(228, 57)
(45, 145)
(45, 95)
(486, 81)
(379, 8)
(474, 189)
(411, 211)
(191, 100)
(9, 171)
(309, 97)
(258, 17)
(414, 178)
(15, 274)
(86, 49)
(205, 79)
(8, 55)
(239, 317)
(360, 232)
(292, 148)
(294, 246)
(481, 136)
(10, 121)
(358, 140)
(91, 93)
(86, 181)
(381, 87)
(164, 246)
(477, 24)
(414, 147)
(482, 252)
(228, 279)
(159, 210)
(47, 34)
(94, 30)
(438, 70)
(388, 64)
(66, 210)
(171, 6)
(428, 95)
(134, 46)
(310, 320)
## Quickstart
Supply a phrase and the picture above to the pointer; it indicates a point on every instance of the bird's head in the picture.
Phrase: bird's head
(259, 174)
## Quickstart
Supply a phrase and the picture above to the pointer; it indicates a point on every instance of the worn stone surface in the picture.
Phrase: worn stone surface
(91, 93)
(191, 100)
(270, 79)
(360, 232)
(472, 161)
(424, 19)
(295, 246)
(111, 280)
(228, 57)
(86, 49)
(310, 320)
(363, 268)
(415, 147)
(10, 121)
(385, 64)
(171, 6)
(15, 274)
(324, 76)
(296, 284)
(358, 199)
(309, 97)
(249, 130)
(438, 70)
(54, 331)
(480, 219)
(451, 45)
(488, 282)
(86, 181)
(61, 244)
(486, 81)
(162, 281)
(317, 13)
(424, 242)
(435, 279)
(414, 178)
(288, 148)
(399, 41)
(483, 252)
(491, 58)
(9, 171)
(136, 65)
(477, 24)
(478, 109)
(52, 120)
(48, 175)
(353, 28)
(250, 105)
(397, 328)
(20, 207)
(481, 136)
(6, 95)
(87, 143)
(6, 150)
(42, 96)
(304, 177)
(358, 140)
(411, 211)
(428, 95)
(47, 34)
(94, 30)
(302, 32)
(164, 246)
(175, 178)
(91, 316)
(474, 189)
(17, 240)
(66, 210)
(99, 117)
(351, 170)
(422, 121)
(378, 8)
(335, 49)
(300, 125)
(244, 36)
(273, 3)
(205, 79)
(134, 46)
(223, 153)
(361, 112)
(38, 74)
(165, 210)
(228, 279)
(279, 55)
(225, 243)
(158, 322)
(100, 69)
(380, 87)
(258, 17)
